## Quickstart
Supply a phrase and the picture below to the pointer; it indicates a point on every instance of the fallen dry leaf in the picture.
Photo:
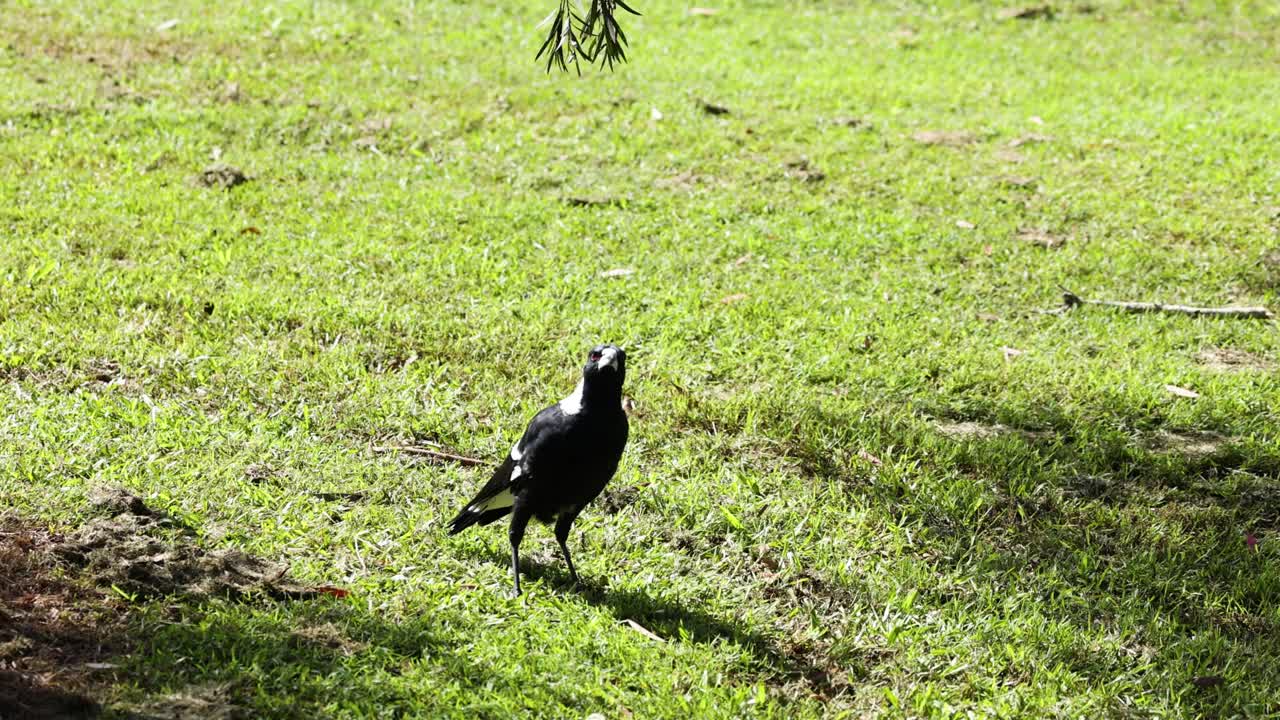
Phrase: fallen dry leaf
(168, 25)
(1251, 541)
(642, 630)
(705, 12)
(655, 114)
(988, 317)
(863, 454)
(1181, 391)
(1011, 353)
(965, 225)
(332, 591)
(617, 272)
(736, 297)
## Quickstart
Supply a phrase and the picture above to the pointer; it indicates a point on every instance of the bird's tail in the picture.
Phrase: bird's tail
(493, 502)
(464, 520)
(472, 515)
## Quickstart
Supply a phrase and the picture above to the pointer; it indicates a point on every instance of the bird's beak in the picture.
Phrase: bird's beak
(607, 356)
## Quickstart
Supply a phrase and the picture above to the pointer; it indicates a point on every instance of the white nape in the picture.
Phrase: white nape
(572, 405)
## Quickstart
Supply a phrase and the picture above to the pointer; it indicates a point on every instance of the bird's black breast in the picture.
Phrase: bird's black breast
(570, 458)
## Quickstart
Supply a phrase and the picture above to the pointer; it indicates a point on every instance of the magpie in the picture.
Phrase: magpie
(566, 456)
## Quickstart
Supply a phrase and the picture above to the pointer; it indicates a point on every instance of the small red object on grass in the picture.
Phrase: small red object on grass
(331, 590)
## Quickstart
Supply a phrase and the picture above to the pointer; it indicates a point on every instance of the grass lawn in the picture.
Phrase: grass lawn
(867, 476)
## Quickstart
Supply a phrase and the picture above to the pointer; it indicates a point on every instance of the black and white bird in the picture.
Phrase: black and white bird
(566, 456)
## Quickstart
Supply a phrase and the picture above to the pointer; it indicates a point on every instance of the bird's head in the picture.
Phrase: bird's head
(607, 363)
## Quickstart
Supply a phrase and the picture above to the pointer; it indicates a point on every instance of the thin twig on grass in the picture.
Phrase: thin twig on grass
(437, 454)
(1071, 300)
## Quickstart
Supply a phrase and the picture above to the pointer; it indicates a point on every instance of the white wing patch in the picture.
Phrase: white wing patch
(516, 472)
(572, 405)
(503, 499)
(516, 452)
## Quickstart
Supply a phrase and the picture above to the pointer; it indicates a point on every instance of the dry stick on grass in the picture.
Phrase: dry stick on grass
(1071, 300)
(437, 454)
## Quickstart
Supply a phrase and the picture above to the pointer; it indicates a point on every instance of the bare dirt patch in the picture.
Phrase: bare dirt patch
(206, 702)
(63, 626)
(1042, 238)
(682, 181)
(970, 430)
(221, 176)
(56, 635)
(1021, 182)
(801, 170)
(1031, 12)
(109, 52)
(329, 637)
(1265, 274)
(949, 138)
(1232, 360)
(1010, 156)
(143, 552)
(1190, 443)
(1031, 139)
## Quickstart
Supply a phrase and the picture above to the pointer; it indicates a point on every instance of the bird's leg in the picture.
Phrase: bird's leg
(563, 523)
(520, 514)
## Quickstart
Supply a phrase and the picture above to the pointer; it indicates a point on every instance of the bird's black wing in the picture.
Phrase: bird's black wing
(498, 495)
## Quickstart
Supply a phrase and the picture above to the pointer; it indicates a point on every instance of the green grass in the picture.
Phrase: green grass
(427, 279)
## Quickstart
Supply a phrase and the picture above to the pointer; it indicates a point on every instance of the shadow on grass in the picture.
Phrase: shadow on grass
(257, 657)
(53, 632)
(672, 621)
(1117, 522)
(289, 659)
(1149, 539)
